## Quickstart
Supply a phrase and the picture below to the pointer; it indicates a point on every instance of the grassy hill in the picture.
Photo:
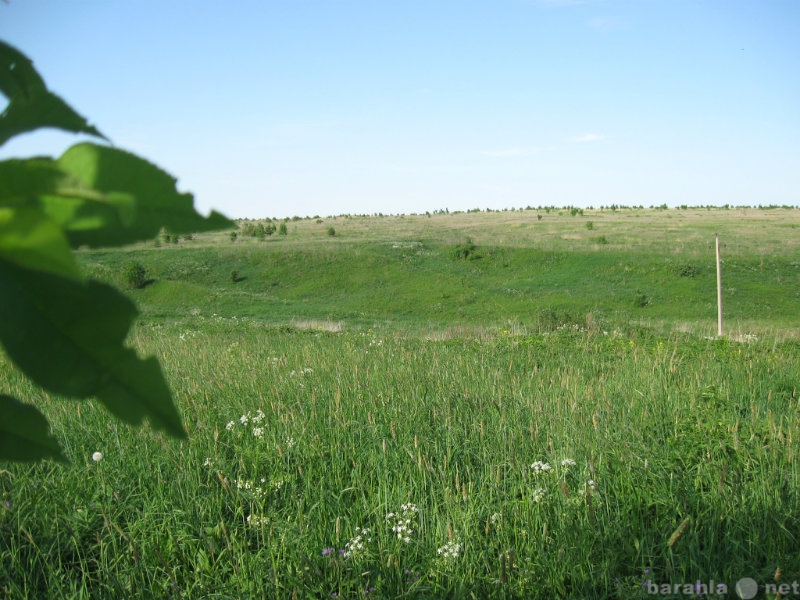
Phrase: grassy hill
(529, 269)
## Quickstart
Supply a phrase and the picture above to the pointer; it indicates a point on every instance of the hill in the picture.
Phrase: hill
(480, 271)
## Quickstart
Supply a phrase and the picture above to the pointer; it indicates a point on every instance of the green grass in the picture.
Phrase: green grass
(389, 374)
(400, 272)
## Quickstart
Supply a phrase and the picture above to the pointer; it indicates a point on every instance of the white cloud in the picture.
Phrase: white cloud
(588, 137)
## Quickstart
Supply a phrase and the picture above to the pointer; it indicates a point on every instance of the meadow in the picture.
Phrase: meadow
(396, 412)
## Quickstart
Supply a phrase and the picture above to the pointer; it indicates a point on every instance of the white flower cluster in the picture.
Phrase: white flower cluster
(261, 489)
(540, 467)
(403, 521)
(568, 462)
(450, 550)
(538, 494)
(358, 544)
(250, 419)
(257, 520)
(255, 490)
(301, 372)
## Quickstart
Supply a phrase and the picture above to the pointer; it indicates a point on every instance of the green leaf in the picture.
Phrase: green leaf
(24, 433)
(22, 181)
(31, 105)
(111, 197)
(31, 239)
(68, 337)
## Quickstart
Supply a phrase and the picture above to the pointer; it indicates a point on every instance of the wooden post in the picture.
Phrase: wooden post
(719, 293)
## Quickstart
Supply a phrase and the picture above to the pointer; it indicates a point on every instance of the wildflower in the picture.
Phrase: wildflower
(326, 551)
(540, 467)
(258, 432)
(450, 550)
(403, 521)
(357, 545)
(230, 425)
(538, 494)
(590, 485)
(244, 419)
(290, 442)
(208, 462)
(257, 520)
(97, 456)
(567, 462)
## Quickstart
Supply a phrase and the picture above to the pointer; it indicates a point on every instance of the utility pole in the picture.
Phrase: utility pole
(719, 292)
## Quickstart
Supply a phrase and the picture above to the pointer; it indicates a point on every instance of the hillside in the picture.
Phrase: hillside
(528, 269)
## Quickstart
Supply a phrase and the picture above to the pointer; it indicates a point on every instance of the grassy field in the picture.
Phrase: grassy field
(371, 416)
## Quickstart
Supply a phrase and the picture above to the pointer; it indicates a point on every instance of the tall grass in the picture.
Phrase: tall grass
(685, 468)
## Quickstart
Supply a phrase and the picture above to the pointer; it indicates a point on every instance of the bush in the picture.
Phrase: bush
(688, 271)
(640, 299)
(134, 276)
(282, 229)
(331, 231)
(466, 251)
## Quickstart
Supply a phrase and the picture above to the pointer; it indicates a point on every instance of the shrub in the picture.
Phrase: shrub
(134, 275)
(331, 231)
(688, 271)
(282, 229)
(466, 251)
(589, 225)
(640, 299)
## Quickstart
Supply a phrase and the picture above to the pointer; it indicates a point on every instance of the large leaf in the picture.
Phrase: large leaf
(68, 337)
(30, 104)
(31, 239)
(111, 197)
(22, 181)
(24, 433)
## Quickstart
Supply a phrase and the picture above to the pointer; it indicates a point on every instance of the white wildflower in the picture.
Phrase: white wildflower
(567, 462)
(357, 545)
(450, 550)
(230, 425)
(538, 494)
(403, 526)
(258, 432)
(97, 456)
(257, 520)
(540, 467)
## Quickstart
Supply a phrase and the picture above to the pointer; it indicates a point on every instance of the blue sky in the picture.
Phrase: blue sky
(311, 107)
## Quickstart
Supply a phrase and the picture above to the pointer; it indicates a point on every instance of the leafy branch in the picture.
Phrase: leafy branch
(63, 331)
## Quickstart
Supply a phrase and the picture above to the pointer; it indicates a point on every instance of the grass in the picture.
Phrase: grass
(326, 390)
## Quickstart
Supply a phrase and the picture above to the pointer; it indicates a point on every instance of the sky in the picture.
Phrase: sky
(277, 108)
